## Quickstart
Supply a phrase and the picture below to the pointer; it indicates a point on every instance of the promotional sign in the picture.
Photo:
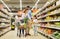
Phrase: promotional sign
(1, 6)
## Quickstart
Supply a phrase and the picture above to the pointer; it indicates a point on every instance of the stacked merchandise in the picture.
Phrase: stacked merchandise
(4, 20)
(56, 35)
(49, 20)
(34, 11)
(1, 6)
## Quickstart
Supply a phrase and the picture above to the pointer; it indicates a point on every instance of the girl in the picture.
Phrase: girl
(35, 25)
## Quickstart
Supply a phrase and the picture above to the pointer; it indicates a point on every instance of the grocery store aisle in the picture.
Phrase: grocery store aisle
(12, 35)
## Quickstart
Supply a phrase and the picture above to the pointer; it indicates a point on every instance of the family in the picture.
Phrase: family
(24, 21)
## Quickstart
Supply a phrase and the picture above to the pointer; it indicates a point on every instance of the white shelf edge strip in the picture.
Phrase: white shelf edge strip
(48, 20)
(5, 12)
(5, 5)
(5, 31)
(58, 28)
(49, 9)
(44, 7)
(48, 15)
(47, 35)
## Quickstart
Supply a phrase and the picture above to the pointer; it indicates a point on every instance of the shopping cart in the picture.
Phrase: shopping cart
(18, 28)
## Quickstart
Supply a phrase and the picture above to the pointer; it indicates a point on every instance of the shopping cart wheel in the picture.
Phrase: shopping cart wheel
(17, 34)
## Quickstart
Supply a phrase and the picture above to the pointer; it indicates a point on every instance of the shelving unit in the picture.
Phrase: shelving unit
(4, 18)
(45, 6)
(49, 36)
(49, 20)
(4, 30)
(48, 15)
(57, 28)
(51, 9)
(4, 12)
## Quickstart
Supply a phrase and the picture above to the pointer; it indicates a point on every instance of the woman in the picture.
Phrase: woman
(26, 20)
(22, 22)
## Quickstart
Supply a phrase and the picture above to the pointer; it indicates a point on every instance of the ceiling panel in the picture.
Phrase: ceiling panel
(26, 0)
(33, 1)
(16, 3)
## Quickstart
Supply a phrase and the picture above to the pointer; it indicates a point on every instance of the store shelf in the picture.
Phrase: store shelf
(42, 17)
(51, 27)
(3, 17)
(48, 10)
(45, 6)
(4, 31)
(48, 15)
(5, 21)
(46, 35)
(3, 11)
(48, 4)
(2, 27)
(49, 21)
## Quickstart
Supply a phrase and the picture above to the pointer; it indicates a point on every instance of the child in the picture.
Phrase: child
(35, 25)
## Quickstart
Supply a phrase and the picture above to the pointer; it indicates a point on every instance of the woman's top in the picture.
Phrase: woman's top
(22, 16)
(29, 14)
(35, 21)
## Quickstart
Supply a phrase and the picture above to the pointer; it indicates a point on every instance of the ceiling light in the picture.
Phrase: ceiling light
(5, 5)
(20, 4)
(35, 5)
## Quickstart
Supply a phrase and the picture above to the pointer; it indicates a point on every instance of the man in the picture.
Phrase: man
(29, 16)
(29, 12)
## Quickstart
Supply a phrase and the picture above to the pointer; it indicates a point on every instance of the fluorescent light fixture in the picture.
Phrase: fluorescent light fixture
(35, 5)
(20, 4)
(5, 5)
(38, 10)
(43, 7)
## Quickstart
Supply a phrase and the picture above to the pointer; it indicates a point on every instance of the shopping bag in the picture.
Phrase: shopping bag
(25, 25)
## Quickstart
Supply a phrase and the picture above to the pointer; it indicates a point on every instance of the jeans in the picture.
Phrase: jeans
(35, 30)
(22, 30)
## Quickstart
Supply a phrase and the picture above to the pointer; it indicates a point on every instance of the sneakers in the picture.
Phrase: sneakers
(27, 35)
(19, 35)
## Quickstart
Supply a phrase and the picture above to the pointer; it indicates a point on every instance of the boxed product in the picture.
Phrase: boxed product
(56, 35)
(59, 18)
(45, 31)
(55, 17)
(57, 24)
(41, 29)
(49, 13)
(1, 6)
(48, 24)
(49, 18)
(49, 31)
(35, 10)
(58, 2)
